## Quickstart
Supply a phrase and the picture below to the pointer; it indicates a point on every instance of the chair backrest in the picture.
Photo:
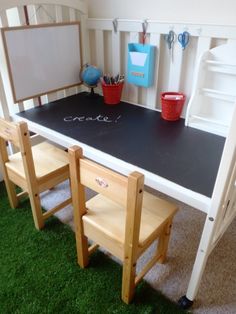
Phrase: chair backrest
(127, 191)
(18, 135)
(9, 132)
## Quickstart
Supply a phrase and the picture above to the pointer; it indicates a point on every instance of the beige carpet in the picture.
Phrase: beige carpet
(217, 293)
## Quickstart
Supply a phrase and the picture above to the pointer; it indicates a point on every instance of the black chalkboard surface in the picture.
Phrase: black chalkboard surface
(139, 136)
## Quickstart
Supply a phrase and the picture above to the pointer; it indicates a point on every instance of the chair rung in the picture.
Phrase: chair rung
(93, 248)
(22, 194)
(146, 268)
(56, 208)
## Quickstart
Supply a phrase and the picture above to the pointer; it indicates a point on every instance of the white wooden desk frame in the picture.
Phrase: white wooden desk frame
(220, 209)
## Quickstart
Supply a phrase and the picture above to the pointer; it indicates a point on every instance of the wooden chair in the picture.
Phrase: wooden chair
(35, 169)
(122, 218)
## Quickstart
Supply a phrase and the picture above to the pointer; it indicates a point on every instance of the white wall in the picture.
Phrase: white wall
(221, 12)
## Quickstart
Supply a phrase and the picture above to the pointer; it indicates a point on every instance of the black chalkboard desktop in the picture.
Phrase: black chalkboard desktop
(139, 136)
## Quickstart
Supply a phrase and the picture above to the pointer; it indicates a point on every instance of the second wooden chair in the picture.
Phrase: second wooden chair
(122, 218)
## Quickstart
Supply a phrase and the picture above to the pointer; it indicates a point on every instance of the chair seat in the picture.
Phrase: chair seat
(108, 217)
(47, 159)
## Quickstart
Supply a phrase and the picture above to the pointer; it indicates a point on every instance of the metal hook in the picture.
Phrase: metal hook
(115, 25)
(144, 26)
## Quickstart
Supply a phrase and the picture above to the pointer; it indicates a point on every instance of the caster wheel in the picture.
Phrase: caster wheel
(184, 303)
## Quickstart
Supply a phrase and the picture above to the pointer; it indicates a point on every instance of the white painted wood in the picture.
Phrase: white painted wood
(3, 101)
(155, 40)
(116, 55)
(213, 99)
(76, 4)
(199, 30)
(176, 68)
(4, 73)
(225, 182)
(99, 37)
(204, 44)
(131, 90)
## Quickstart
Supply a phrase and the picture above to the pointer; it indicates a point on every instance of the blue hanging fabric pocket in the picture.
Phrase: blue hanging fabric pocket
(141, 64)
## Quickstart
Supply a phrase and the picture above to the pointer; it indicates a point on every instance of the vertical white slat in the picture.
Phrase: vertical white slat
(15, 20)
(155, 40)
(3, 101)
(59, 15)
(116, 57)
(72, 18)
(4, 20)
(85, 39)
(47, 15)
(32, 9)
(72, 14)
(59, 18)
(204, 44)
(176, 68)
(12, 107)
(99, 37)
(84, 43)
(35, 17)
(132, 91)
(3, 98)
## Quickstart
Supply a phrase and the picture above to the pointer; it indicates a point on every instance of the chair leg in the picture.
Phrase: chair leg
(11, 192)
(163, 242)
(82, 248)
(36, 210)
(128, 280)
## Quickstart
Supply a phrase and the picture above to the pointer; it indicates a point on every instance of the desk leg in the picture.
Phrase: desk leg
(205, 247)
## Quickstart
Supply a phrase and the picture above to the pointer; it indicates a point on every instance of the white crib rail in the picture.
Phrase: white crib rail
(109, 51)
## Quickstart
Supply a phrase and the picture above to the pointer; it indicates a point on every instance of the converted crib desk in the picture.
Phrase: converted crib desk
(179, 161)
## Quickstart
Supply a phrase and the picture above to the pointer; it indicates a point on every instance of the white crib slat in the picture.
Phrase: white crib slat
(116, 61)
(32, 14)
(155, 39)
(72, 14)
(59, 17)
(4, 20)
(8, 98)
(3, 100)
(131, 90)
(22, 18)
(204, 44)
(176, 68)
(16, 17)
(72, 18)
(85, 39)
(99, 48)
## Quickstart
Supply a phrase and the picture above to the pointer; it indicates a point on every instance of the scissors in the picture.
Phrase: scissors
(170, 39)
(183, 39)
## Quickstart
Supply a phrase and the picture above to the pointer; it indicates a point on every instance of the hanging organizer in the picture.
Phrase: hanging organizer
(141, 64)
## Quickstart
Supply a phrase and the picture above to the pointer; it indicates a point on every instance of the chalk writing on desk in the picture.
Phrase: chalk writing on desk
(98, 118)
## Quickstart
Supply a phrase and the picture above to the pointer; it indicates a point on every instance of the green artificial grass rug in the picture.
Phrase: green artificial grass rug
(39, 272)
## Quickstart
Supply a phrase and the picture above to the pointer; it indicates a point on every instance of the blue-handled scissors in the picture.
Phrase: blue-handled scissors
(170, 39)
(183, 39)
